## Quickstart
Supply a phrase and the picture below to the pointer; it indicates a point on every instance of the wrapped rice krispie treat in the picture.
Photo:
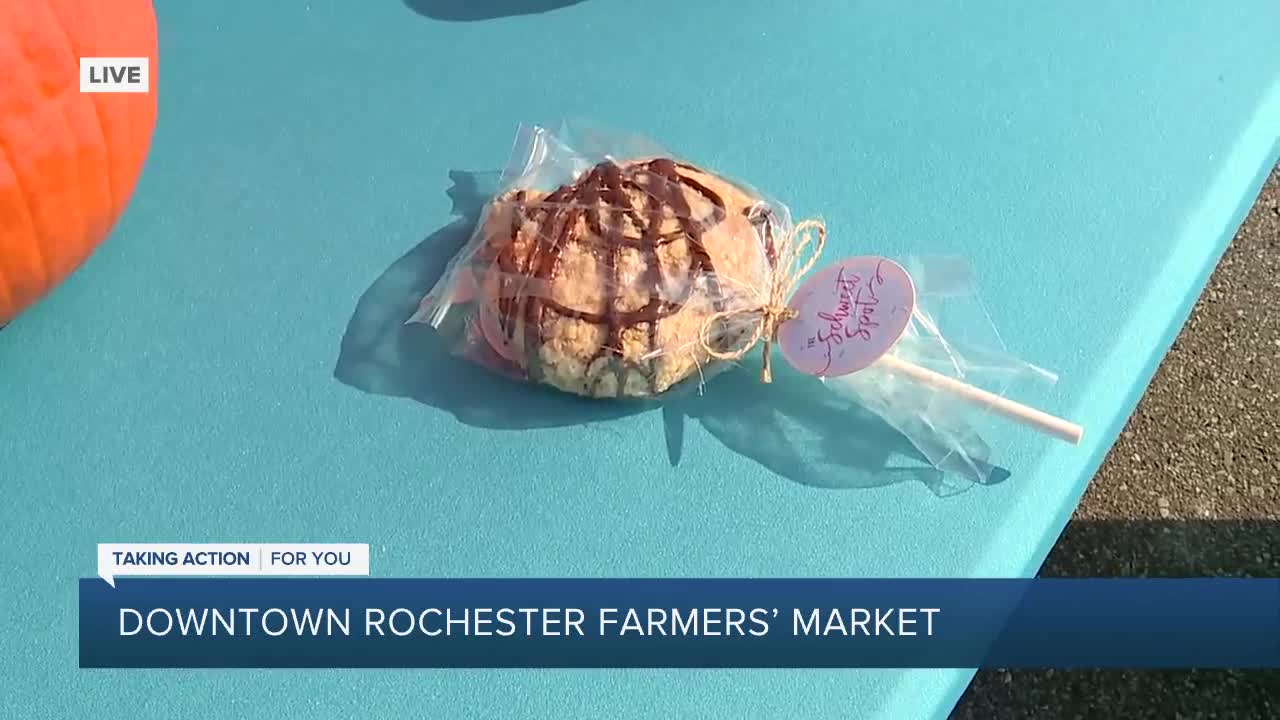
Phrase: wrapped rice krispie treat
(619, 283)
(608, 268)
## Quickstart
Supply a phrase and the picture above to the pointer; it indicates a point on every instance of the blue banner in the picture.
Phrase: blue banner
(617, 623)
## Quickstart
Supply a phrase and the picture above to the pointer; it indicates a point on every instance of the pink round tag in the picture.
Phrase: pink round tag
(850, 314)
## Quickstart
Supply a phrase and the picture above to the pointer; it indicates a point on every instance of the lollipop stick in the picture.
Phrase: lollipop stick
(1039, 420)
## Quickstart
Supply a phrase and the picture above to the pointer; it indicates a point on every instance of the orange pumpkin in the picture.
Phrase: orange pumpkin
(68, 160)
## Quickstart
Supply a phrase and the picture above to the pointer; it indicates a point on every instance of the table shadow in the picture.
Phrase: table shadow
(793, 427)
(473, 10)
(1142, 548)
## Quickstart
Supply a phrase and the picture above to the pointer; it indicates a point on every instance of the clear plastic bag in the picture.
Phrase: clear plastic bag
(609, 268)
(950, 333)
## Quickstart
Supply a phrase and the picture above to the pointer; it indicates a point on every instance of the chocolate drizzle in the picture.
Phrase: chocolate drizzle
(606, 199)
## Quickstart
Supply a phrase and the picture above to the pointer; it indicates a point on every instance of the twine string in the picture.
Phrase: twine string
(772, 311)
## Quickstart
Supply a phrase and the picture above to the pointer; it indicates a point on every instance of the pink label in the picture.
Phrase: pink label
(850, 314)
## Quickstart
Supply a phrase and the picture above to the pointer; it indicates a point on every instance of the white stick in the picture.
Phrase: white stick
(1042, 421)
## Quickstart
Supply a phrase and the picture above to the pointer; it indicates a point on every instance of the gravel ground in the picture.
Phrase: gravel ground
(1192, 488)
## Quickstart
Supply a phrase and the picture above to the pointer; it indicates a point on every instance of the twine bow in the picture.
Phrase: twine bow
(773, 310)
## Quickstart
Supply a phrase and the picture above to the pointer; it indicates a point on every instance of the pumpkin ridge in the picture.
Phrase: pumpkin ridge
(106, 153)
(37, 223)
(25, 205)
(93, 102)
(8, 298)
(70, 94)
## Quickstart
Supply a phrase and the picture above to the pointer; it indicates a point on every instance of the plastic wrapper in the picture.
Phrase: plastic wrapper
(950, 333)
(597, 274)
(609, 268)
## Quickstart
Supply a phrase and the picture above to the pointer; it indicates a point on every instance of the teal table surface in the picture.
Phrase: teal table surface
(230, 366)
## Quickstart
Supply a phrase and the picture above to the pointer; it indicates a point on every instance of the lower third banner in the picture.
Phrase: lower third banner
(617, 623)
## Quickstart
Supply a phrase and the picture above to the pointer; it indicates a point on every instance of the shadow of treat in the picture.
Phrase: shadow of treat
(798, 429)
(794, 427)
(473, 10)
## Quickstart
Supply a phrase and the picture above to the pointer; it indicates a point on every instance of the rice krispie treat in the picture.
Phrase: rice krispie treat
(603, 286)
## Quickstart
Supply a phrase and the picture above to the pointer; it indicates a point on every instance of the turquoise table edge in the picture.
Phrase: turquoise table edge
(1241, 179)
(1229, 201)
(1190, 265)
